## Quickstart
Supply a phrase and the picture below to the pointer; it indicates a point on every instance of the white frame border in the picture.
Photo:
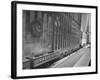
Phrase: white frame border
(36, 72)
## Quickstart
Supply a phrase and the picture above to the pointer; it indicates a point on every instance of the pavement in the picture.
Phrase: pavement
(76, 59)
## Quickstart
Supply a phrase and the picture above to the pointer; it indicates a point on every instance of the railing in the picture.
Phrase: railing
(37, 61)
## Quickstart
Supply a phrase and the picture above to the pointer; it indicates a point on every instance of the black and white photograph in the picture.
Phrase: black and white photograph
(53, 39)
(56, 39)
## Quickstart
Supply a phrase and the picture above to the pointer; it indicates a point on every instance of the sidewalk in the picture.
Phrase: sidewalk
(78, 58)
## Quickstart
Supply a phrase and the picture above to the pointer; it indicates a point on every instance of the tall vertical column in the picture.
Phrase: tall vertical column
(66, 30)
(44, 36)
(24, 25)
(59, 37)
(53, 32)
(64, 20)
(28, 27)
(61, 34)
(70, 25)
(24, 34)
(63, 30)
(55, 35)
(49, 30)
